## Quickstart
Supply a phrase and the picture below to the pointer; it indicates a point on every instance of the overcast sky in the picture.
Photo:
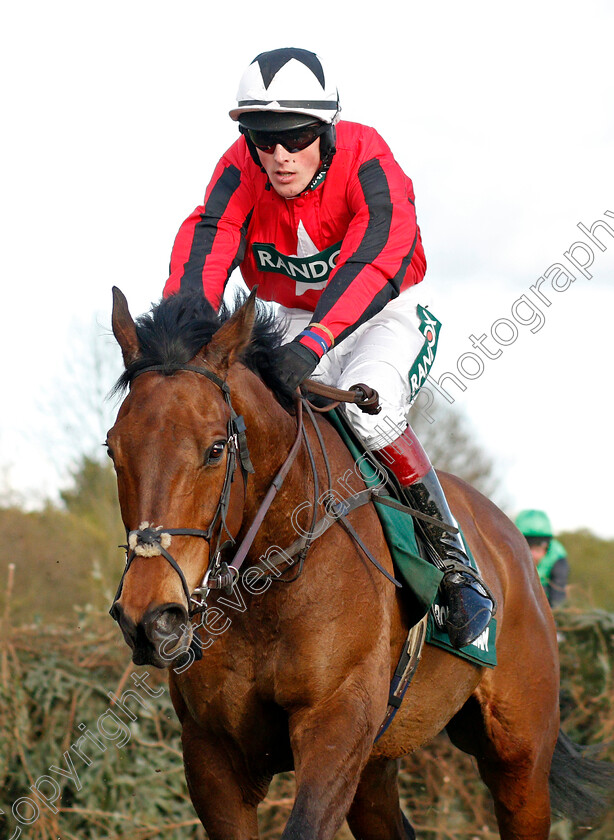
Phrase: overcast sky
(115, 114)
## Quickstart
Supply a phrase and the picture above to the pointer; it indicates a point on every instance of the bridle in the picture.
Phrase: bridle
(150, 541)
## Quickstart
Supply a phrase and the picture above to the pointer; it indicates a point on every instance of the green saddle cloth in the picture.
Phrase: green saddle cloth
(419, 577)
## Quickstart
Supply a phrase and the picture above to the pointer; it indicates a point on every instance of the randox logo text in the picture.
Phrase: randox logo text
(429, 327)
(313, 270)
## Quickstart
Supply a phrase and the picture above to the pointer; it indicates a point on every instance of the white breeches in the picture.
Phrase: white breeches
(379, 353)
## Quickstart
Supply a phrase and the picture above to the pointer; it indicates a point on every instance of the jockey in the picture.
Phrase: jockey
(321, 217)
(548, 554)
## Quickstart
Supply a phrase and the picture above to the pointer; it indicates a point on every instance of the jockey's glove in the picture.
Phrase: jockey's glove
(296, 363)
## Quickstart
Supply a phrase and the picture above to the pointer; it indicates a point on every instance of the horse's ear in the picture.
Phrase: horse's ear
(232, 337)
(124, 329)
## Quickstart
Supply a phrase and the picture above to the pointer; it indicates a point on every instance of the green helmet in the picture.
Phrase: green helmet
(534, 523)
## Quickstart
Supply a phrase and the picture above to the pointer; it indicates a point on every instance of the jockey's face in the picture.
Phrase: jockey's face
(539, 551)
(288, 172)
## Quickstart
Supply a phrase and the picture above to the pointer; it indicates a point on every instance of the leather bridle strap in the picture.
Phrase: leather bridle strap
(227, 578)
(150, 541)
(237, 422)
(147, 542)
(361, 395)
(169, 370)
(336, 513)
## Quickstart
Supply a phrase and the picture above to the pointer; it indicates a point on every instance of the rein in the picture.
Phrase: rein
(365, 397)
(151, 541)
(228, 577)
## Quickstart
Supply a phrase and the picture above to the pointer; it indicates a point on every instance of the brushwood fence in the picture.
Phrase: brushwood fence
(90, 747)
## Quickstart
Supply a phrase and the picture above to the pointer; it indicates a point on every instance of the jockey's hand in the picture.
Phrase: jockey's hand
(296, 363)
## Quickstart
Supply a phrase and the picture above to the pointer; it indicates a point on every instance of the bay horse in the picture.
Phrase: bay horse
(293, 669)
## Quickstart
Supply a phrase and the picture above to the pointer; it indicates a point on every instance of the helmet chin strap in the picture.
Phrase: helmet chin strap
(252, 149)
(318, 177)
(328, 146)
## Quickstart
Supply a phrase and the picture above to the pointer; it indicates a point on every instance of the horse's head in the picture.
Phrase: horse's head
(174, 448)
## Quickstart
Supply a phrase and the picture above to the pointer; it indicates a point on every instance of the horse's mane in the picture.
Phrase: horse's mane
(177, 327)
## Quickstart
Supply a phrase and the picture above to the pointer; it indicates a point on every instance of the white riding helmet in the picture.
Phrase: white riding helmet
(287, 81)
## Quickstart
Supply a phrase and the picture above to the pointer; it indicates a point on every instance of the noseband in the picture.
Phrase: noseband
(150, 541)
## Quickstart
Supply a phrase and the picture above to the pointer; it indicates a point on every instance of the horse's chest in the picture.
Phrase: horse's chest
(221, 695)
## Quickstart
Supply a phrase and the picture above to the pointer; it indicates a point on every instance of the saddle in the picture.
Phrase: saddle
(408, 543)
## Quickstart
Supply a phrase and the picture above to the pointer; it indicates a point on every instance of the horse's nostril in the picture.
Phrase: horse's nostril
(159, 637)
(168, 620)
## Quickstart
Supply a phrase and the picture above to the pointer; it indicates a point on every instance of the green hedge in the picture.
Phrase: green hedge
(54, 680)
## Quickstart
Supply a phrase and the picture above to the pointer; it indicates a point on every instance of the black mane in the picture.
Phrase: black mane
(175, 329)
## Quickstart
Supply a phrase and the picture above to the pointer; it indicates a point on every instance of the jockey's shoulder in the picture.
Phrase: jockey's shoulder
(361, 140)
(556, 549)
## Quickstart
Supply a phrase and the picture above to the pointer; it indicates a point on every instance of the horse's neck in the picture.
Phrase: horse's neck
(271, 432)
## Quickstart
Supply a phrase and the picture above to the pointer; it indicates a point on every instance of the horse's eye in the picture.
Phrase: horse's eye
(215, 452)
(109, 450)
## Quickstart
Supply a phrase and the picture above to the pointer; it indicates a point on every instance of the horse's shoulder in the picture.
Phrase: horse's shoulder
(464, 496)
(486, 526)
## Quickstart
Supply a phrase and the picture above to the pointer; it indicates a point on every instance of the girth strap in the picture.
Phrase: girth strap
(404, 672)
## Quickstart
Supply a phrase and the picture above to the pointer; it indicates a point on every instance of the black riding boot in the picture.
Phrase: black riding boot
(470, 606)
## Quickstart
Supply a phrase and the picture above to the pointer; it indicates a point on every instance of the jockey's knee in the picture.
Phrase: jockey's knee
(378, 430)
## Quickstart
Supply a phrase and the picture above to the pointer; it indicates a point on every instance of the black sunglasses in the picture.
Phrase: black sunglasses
(294, 140)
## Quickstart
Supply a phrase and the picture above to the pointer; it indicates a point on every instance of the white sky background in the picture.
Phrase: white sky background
(115, 115)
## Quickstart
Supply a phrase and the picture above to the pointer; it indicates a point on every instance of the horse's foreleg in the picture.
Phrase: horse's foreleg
(331, 744)
(376, 812)
(225, 804)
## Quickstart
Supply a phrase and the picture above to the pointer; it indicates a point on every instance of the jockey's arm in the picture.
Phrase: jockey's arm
(210, 243)
(557, 585)
(381, 253)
